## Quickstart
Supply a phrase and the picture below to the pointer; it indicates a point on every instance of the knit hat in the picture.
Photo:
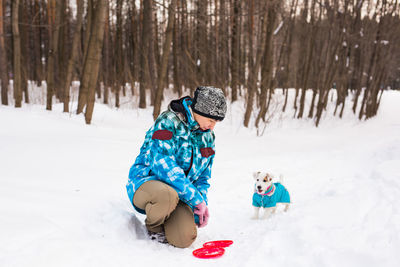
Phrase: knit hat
(209, 102)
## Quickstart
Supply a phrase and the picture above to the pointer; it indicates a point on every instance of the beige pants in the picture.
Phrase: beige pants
(164, 211)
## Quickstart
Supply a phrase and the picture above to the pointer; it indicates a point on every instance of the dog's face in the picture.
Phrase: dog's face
(263, 181)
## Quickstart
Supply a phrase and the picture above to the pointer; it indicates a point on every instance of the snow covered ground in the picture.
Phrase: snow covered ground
(63, 200)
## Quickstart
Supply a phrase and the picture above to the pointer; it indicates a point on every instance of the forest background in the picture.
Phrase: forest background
(248, 48)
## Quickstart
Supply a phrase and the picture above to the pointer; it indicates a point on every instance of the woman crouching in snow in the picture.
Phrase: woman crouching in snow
(169, 179)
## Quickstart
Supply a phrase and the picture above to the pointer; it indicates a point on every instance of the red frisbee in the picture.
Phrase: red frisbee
(208, 252)
(218, 244)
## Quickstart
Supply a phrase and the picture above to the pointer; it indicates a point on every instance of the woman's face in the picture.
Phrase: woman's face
(204, 122)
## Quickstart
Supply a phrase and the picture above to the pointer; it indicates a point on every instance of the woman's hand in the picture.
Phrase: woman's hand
(202, 211)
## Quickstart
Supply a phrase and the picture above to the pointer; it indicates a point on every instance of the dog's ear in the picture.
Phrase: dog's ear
(269, 176)
(256, 174)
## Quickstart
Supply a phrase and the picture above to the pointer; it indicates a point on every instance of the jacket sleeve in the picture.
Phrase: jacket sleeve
(202, 183)
(164, 165)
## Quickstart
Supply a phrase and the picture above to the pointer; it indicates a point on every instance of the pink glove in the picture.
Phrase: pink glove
(202, 211)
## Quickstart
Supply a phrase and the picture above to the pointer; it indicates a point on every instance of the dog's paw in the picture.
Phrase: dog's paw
(254, 217)
(286, 207)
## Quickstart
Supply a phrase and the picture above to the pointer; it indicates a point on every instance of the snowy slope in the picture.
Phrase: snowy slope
(63, 199)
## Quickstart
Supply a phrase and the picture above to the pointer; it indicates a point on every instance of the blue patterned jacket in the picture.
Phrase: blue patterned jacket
(175, 151)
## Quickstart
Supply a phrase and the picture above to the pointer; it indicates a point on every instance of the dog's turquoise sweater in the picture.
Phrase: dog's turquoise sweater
(281, 195)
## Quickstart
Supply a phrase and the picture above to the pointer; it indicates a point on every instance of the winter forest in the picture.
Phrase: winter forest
(248, 48)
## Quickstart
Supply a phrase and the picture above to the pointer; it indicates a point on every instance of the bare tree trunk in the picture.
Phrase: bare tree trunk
(164, 59)
(88, 28)
(242, 51)
(133, 38)
(201, 41)
(23, 31)
(250, 37)
(307, 64)
(253, 73)
(235, 51)
(106, 93)
(154, 48)
(175, 47)
(144, 62)
(83, 91)
(329, 64)
(51, 66)
(223, 47)
(267, 68)
(369, 74)
(92, 63)
(119, 66)
(252, 88)
(37, 42)
(62, 57)
(106, 58)
(372, 88)
(17, 55)
(210, 54)
(384, 53)
(74, 54)
(98, 84)
(287, 68)
(358, 59)
(153, 54)
(317, 61)
(343, 58)
(3, 61)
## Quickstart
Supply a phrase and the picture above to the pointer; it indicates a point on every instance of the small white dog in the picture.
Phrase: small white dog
(267, 194)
